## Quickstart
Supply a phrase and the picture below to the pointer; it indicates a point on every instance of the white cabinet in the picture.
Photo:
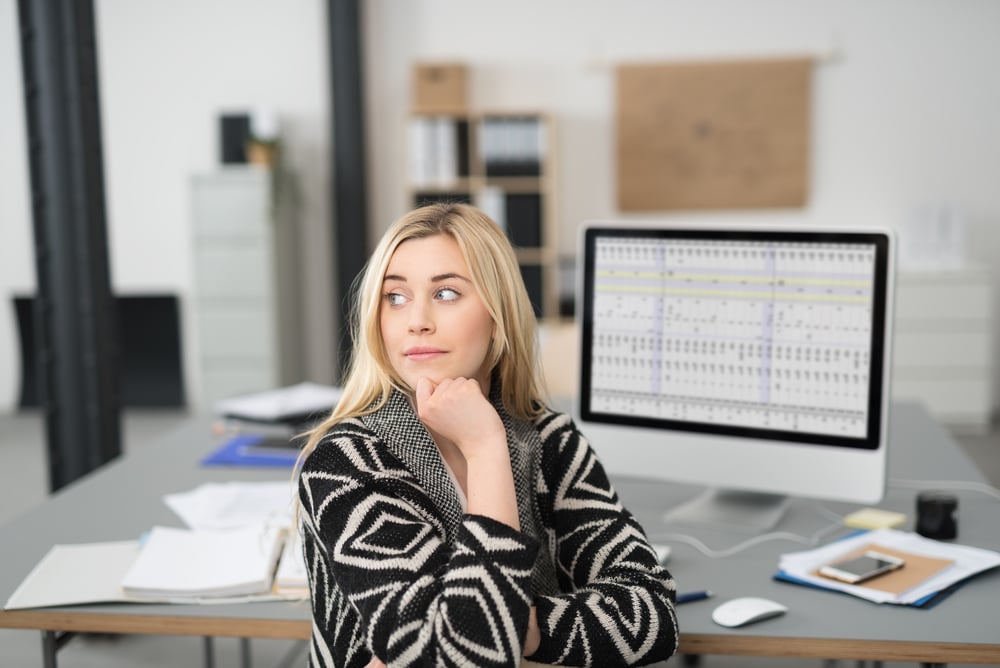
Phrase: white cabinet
(943, 345)
(246, 291)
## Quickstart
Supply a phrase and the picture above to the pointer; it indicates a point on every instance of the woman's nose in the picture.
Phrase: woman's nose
(421, 321)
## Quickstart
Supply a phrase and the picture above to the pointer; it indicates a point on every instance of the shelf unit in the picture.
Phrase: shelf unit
(503, 163)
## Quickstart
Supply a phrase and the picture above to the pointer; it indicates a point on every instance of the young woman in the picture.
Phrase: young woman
(449, 518)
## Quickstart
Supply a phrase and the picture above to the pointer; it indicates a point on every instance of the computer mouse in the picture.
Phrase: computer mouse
(746, 610)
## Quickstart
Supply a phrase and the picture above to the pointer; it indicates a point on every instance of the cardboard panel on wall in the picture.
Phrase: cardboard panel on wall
(713, 135)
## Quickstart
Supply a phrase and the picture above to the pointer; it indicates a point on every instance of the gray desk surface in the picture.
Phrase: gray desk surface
(962, 628)
(125, 498)
(120, 502)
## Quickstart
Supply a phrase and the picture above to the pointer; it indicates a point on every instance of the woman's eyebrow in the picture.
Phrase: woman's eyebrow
(434, 279)
(449, 276)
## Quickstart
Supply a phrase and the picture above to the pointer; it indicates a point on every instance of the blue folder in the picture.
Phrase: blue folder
(253, 450)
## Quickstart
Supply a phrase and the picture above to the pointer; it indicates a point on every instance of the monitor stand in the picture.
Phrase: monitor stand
(752, 512)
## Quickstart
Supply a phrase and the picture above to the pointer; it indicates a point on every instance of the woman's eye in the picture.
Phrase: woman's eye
(395, 299)
(447, 294)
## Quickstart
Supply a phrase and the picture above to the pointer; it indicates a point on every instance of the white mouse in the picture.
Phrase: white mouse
(741, 611)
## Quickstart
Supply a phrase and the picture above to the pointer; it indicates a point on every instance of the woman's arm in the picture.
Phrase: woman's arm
(457, 413)
(380, 541)
(618, 606)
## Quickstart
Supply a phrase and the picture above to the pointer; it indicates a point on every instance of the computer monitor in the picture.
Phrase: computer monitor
(754, 360)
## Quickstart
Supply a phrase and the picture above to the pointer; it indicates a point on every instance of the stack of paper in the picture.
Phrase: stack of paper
(931, 568)
(175, 563)
(287, 404)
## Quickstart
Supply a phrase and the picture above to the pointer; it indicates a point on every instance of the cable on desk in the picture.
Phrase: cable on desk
(763, 538)
(951, 485)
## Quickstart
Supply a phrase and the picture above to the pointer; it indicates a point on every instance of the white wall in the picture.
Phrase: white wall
(905, 116)
(167, 70)
(16, 251)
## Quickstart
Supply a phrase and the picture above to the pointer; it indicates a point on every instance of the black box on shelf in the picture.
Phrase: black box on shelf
(234, 130)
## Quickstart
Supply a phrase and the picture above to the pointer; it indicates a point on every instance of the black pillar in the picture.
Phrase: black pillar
(350, 219)
(75, 321)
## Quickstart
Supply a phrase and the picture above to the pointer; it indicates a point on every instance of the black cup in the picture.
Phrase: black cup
(936, 515)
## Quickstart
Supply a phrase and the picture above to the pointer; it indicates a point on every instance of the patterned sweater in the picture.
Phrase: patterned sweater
(397, 569)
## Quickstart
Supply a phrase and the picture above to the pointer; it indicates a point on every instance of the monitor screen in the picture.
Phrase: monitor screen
(762, 345)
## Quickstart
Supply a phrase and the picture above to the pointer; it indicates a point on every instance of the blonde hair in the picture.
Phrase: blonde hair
(496, 276)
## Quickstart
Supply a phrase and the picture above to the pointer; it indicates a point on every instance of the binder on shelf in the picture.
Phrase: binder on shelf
(462, 147)
(445, 151)
(533, 283)
(512, 145)
(438, 150)
(493, 202)
(524, 219)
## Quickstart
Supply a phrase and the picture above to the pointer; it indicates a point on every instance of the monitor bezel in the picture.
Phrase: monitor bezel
(879, 239)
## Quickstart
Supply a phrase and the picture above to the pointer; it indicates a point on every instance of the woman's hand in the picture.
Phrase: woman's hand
(375, 663)
(457, 410)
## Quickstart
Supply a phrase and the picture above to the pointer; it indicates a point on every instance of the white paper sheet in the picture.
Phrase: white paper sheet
(227, 505)
(76, 574)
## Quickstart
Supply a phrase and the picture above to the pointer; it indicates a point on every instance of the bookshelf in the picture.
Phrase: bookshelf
(501, 162)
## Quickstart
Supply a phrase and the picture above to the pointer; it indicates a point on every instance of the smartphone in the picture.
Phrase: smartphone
(859, 569)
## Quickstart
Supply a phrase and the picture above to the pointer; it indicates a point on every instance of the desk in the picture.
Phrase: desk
(123, 499)
(825, 624)
(119, 502)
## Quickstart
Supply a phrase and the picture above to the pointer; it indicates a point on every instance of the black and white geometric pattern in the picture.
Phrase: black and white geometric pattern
(396, 568)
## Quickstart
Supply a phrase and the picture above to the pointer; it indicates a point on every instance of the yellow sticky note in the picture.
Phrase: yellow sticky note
(874, 518)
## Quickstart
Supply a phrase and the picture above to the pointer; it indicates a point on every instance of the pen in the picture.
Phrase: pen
(693, 596)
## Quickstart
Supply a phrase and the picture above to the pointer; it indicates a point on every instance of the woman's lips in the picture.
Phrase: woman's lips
(422, 353)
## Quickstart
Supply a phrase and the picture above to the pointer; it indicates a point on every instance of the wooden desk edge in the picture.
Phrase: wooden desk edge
(67, 620)
(841, 648)
(829, 648)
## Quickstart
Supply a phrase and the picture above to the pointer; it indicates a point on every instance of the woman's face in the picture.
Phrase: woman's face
(433, 322)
